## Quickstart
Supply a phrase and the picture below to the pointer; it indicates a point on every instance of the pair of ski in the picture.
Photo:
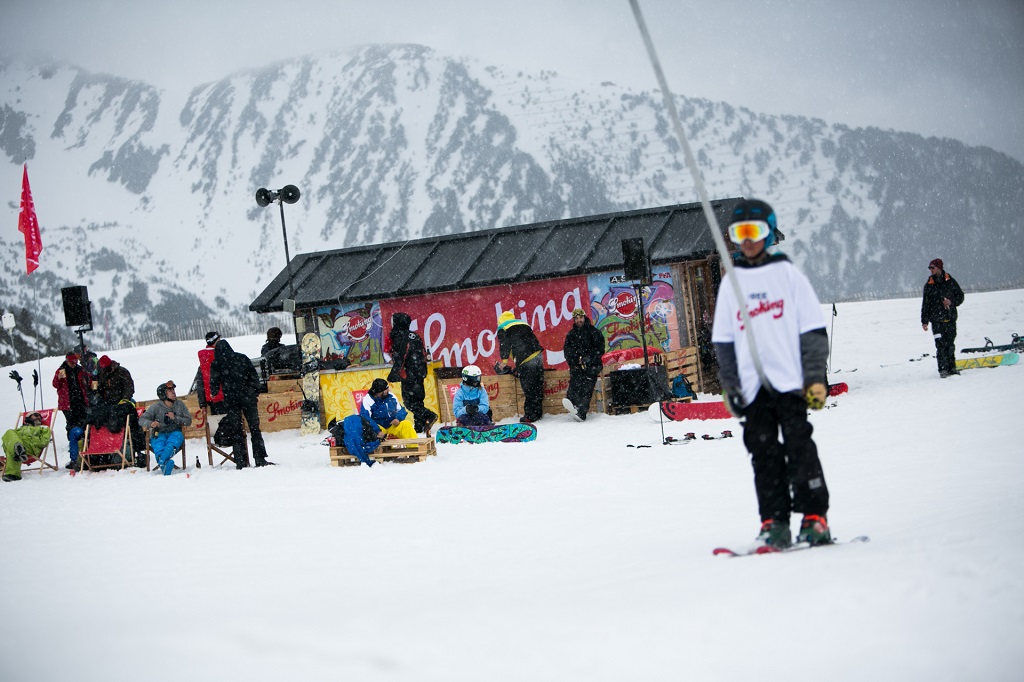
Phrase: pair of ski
(795, 547)
(687, 438)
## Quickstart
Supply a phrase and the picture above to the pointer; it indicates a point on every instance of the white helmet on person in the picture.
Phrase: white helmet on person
(471, 375)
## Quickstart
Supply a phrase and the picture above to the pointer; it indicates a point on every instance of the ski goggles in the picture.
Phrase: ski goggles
(754, 230)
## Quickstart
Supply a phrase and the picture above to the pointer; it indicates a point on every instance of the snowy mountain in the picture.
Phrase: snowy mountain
(148, 200)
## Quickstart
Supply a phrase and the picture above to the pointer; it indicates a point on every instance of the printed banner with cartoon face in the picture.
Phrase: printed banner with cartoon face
(615, 311)
(352, 332)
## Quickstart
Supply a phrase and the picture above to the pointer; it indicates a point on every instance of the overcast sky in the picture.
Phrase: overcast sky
(942, 68)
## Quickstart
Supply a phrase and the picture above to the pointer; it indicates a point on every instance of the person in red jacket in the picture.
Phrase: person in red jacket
(73, 390)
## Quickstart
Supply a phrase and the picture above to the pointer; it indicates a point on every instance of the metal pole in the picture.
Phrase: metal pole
(287, 256)
(709, 214)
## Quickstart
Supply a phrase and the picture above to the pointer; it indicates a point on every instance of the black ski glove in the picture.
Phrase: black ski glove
(472, 409)
(35, 378)
(17, 377)
(734, 402)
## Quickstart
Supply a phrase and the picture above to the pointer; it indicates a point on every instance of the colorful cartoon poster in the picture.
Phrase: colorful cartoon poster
(352, 332)
(459, 327)
(614, 310)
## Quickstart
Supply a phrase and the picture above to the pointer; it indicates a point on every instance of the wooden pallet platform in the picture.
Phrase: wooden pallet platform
(402, 450)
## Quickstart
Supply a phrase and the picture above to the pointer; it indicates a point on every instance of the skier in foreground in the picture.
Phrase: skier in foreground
(793, 346)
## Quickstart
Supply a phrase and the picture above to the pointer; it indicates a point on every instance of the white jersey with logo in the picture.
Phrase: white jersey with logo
(782, 306)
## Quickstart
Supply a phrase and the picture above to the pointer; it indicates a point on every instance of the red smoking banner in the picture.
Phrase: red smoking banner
(458, 327)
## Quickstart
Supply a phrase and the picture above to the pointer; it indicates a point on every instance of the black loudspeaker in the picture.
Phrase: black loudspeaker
(76, 306)
(634, 260)
(639, 386)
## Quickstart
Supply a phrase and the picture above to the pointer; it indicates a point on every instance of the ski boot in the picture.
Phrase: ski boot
(20, 455)
(774, 533)
(814, 530)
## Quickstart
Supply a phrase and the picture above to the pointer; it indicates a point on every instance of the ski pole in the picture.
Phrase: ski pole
(831, 336)
(17, 377)
(709, 214)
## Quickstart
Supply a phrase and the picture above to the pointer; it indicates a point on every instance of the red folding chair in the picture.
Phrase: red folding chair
(99, 441)
(49, 416)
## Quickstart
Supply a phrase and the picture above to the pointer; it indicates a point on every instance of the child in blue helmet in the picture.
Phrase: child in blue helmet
(792, 345)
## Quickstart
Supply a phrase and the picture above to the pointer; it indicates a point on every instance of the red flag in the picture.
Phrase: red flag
(28, 225)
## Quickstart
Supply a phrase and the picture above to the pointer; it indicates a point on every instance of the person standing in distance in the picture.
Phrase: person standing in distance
(942, 296)
(792, 344)
(584, 347)
(517, 341)
(234, 374)
(410, 370)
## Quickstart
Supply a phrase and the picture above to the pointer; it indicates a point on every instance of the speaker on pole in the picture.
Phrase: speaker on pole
(635, 261)
(76, 306)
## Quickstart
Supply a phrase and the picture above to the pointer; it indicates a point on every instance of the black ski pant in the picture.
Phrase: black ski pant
(531, 379)
(945, 352)
(251, 413)
(413, 395)
(789, 465)
(581, 388)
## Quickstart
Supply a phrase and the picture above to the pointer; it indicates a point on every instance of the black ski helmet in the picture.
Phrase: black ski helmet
(161, 390)
(755, 209)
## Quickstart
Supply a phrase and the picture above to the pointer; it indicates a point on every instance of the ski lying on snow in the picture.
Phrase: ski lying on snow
(796, 547)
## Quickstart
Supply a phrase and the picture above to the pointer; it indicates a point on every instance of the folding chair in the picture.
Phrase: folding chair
(100, 441)
(48, 418)
(149, 450)
(212, 447)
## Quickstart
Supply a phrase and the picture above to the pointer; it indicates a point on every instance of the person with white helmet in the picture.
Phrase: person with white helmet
(789, 331)
(470, 404)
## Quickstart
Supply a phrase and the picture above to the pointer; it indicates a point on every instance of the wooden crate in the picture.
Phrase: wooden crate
(402, 450)
(283, 383)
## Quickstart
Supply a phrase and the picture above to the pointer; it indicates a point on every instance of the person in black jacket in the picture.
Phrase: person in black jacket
(409, 356)
(584, 346)
(234, 374)
(517, 341)
(941, 297)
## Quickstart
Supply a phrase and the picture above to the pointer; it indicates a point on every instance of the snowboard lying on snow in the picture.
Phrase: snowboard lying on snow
(988, 361)
(495, 433)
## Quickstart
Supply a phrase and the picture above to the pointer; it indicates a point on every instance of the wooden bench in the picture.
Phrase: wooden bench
(402, 450)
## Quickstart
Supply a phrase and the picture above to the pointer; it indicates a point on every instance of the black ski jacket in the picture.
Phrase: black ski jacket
(583, 349)
(936, 289)
(407, 350)
(234, 374)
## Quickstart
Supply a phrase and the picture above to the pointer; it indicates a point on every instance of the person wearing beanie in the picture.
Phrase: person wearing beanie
(233, 375)
(792, 347)
(409, 355)
(212, 402)
(383, 409)
(942, 296)
(516, 341)
(73, 393)
(115, 382)
(584, 346)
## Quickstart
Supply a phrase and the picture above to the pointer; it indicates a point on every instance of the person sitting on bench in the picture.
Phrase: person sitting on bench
(381, 407)
(359, 435)
(470, 404)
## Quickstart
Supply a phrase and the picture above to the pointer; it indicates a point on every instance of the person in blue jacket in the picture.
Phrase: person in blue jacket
(470, 404)
(359, 435)
(382, 408)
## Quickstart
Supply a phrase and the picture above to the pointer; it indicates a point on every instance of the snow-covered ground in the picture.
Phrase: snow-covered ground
(571, 558)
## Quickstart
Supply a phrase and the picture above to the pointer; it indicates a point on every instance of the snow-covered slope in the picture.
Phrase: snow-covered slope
(573, 557)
